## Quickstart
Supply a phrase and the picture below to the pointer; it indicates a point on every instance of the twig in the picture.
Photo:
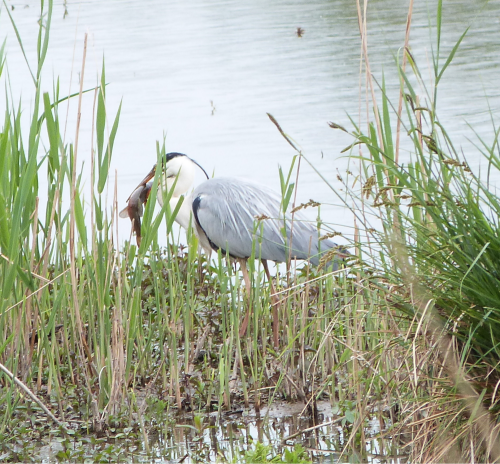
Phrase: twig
(271, 117)
(36, 291)
(26, 390)
(324, 424)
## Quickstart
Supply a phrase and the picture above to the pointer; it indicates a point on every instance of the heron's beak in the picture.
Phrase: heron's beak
(144, 181)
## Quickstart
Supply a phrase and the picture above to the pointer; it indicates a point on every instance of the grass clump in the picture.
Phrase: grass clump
(264, 454)
(435, 257)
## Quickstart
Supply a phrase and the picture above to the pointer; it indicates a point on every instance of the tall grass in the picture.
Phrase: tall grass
(437, 249)
(107, 337)
(54, 278)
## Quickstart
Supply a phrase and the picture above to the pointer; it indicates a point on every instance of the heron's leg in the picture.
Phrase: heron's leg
(246, 277)
(274, 300)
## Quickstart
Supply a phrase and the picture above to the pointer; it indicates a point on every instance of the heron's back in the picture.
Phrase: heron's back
(236, 215)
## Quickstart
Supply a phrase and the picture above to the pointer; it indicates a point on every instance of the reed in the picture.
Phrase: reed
(435, 261)
(112, 338)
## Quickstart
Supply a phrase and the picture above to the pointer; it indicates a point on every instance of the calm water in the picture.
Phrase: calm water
(205, 74)
(229, 437)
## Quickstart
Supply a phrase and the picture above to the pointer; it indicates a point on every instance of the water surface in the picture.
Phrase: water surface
(204, 74)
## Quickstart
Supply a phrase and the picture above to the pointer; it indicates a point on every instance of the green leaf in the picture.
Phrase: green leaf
(53, 133)
(451, 56)
(42, 48)
(26, 277)
(350, 416)
(288, 196)
(438, 27)
(98, 214)
(387, 130)
(100, 124)
(80, 218)
(104, 164)
(174, 214)
(345, 355)
(6, 342)
(20, 42)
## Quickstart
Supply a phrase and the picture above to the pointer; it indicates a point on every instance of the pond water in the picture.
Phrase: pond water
(204, 74)
(229, 437)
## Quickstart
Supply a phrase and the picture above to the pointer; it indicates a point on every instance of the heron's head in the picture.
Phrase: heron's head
(178, 172)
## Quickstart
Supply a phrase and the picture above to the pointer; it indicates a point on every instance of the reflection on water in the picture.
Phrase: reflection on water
(206, 73)
(228, 438)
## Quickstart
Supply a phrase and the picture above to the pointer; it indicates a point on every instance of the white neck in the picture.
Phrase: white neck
(182, 169)
(184, 215)
(179, 171)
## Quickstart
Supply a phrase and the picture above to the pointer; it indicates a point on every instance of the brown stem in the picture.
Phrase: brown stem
(274, 300)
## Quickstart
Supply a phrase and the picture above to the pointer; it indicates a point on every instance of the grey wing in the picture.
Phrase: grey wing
(226, 210)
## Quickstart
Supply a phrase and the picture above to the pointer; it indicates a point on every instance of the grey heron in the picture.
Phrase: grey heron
(238, 217)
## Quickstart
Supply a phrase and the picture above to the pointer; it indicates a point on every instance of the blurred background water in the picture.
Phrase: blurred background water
(204, 74)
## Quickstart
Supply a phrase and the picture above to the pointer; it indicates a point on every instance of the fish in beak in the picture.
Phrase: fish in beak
(135, 202)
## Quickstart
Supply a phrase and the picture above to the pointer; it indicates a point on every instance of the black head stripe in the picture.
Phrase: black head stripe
(171, 156)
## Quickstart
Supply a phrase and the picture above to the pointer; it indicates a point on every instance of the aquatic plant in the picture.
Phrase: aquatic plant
(265, 453)
(436, 253)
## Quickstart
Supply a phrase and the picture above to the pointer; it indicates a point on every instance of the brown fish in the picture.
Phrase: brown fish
(134, 208)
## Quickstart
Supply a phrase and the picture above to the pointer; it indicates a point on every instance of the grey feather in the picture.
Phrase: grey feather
(226, 210)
